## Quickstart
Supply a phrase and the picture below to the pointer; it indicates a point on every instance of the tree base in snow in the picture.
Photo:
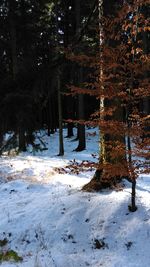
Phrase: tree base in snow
(92, 186)
(80, 148)
(69, 136)
(99, 182)
(132, 208)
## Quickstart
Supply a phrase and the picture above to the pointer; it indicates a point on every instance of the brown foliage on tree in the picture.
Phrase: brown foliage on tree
(121, 84)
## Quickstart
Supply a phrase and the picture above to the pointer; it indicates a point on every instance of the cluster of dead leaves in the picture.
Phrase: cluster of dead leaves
(75, 167)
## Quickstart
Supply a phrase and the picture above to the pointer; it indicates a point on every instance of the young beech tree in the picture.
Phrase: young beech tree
(121, 84)
(112, 166)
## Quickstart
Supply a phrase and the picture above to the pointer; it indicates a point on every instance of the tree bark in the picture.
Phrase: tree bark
(70, 115)
(13, 37)
(81, 127)
(22, 139)
(1, 140)
(61, 144)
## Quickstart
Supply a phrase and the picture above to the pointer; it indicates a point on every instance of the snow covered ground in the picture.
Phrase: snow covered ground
(50, 222)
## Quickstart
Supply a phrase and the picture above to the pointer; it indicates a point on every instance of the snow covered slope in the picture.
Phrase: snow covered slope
(50, 222)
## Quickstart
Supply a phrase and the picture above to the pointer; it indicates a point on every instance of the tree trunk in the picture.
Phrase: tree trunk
(146, 100)
(13, 38)
(81, 116)
(68, 71)
(1, 140)
(70, 130)
(81, 127)
(70, 115)
(53, 116)
(48, 116)
(133, 206)
(22, 139)
(95, 183)
(104, 177)
(61, 144)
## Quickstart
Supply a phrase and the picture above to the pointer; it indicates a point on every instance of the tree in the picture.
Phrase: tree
(24, 57)
(121, 84)
(110, 110)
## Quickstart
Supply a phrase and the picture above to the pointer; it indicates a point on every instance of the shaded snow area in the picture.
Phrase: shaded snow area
(50, 222)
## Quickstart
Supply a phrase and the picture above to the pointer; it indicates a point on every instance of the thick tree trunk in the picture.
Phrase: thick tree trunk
(13, 38)
(96, 182)
(104, 176)
(102, 100)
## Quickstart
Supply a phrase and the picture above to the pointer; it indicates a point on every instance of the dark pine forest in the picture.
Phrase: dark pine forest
(74, 63)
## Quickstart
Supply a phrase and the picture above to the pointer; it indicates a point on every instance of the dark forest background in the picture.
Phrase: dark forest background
(45, 48)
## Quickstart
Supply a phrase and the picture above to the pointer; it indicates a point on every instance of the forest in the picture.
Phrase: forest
(74, 128)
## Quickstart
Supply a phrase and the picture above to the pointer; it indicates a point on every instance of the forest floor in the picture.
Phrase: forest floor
(48, 221)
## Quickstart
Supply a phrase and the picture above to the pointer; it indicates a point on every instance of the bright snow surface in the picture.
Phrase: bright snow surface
(50, 222)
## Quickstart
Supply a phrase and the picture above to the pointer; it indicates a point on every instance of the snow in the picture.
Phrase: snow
(50, 222)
